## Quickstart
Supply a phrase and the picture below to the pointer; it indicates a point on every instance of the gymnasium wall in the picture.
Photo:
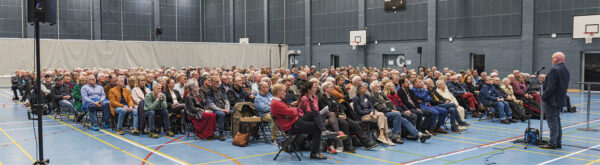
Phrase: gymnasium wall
(18, 54)
(513, 34)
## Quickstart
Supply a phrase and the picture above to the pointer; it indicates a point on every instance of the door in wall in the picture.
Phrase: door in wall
(395, 61)
(335, 60)
(591, 69)
(477, 62)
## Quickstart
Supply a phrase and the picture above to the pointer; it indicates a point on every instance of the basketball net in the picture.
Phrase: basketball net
(354, 46)
(588, 38)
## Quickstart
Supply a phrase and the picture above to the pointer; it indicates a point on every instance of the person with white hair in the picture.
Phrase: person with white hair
(364, 107)
(438, 100)
(384, 105)
(93, 97)
(492, 98)
(517, 113)
(444, 92)
(439, 113)
(356, 80)
(203, 120)
(462, 94)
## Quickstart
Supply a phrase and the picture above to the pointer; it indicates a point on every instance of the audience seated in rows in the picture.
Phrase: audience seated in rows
(339, 103)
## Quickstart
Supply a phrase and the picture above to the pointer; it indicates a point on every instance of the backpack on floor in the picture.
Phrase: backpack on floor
(531, 135)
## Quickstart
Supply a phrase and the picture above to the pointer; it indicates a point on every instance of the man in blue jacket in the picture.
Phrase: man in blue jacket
(491, 97)
(555, 97)
(424, 100)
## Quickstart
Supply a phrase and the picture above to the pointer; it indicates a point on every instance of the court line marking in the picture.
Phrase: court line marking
(126, 140)
(481, 146)
(368, 157)
(18, 145)
(555, 159)
(139, 145)
(519, 145)
(245, 157)
(206, 150)
(592, 102)
(595, 161)
(19, 122)
(569, 139)
(23, 128)
(178, 161)
(413, 154)
(154, 145)
(473, 157)
(159, 147)
(120, 149)
(512, 149)
(100, 135)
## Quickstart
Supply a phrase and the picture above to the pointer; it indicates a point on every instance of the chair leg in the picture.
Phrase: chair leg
(275, 158)
(262, 131)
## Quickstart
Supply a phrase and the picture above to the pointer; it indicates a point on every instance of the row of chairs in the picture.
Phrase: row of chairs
(60, 112)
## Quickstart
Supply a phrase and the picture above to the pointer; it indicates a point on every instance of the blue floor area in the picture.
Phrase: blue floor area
(483, 142)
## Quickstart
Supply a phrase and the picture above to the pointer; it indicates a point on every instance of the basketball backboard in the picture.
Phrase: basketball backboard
(358, 37)
(586, 26)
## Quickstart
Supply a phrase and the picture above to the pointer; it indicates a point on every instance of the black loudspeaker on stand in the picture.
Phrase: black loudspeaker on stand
(40, 11)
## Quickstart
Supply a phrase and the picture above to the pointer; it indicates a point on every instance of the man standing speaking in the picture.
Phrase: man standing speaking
(555, 97)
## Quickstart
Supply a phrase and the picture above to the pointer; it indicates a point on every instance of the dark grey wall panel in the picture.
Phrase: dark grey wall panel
(499, 53)
(75, 19)
(11, 18)
(479, 18)
(407, 48)
(180, 20)
(188, 20)
(322, 55)
(546, 46)
(333, 19)
(239, 19)
(409, 24)
(111, 19)
(294, 22)
(286, 25)
(556, 16)
(276, 21)
(167, 20)
(217, 20)
(249, 20)
(137, 20)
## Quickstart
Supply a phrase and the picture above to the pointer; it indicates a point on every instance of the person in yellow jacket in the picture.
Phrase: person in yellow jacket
(121, 103)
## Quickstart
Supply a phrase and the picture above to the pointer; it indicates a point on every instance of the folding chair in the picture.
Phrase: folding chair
(60, 112)
(262, 127)
(489, 113)
(189, 127)
(86, 119)
(446, 122)
(289, 141)
(370, 129)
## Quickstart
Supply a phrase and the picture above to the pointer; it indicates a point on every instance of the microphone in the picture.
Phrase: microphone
(538, 72)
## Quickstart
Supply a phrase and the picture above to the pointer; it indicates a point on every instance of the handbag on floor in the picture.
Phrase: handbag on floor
(240, 139)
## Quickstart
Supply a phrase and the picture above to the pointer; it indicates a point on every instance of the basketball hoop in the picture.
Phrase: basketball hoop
(355, 43)
(588, 38)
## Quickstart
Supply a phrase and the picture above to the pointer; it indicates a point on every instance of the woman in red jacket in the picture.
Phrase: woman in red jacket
(289, 121)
